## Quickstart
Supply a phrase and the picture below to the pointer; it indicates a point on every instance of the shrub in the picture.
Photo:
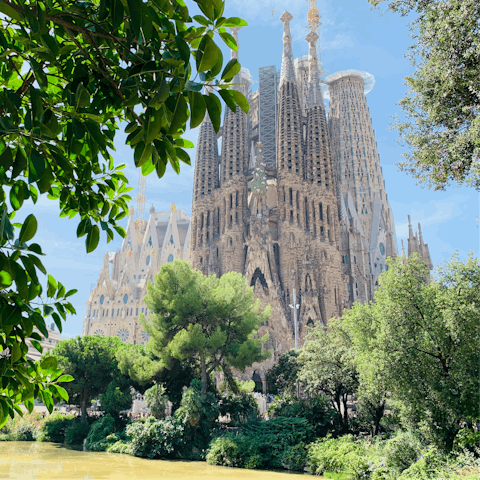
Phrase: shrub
(77, 432)
(156, 400)
(228, 451)
(241, 408)
(116, 399)
(96, 439)
(295, 457)
(317, 410)
(198, 413)
(430, 464)
(156, 438)
(22, 428)
(332, 454)
(402, 450)
(467, 439)
(53, 427)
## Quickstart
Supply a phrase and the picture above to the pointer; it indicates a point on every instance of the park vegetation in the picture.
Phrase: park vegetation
(388, 391)
(440, 121)
(72, 73)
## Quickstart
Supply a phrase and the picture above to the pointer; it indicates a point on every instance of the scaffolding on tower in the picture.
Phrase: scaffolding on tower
(141, 200)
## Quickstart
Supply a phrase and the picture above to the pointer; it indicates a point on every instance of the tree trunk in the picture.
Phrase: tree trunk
(83, 406)
(204, 374)
(379, 411)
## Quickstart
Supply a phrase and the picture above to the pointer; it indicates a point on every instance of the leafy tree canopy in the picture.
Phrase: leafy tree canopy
(70, 72)
(283, 376)
(213, 320)
(91, 361)
(441, 108)
(423, 338)
(327, 365)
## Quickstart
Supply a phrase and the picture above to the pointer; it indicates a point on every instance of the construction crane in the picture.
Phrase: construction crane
(141, 200)
(313, 17)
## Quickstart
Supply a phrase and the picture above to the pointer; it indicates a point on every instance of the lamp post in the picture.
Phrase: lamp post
(295, 307)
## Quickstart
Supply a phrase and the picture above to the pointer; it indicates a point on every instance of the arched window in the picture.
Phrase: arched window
(170, 258)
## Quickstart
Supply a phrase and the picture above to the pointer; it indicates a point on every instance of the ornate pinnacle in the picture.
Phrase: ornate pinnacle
(315, 96)
(288, 71)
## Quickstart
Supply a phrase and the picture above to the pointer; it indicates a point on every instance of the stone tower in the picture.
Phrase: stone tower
(304, 212)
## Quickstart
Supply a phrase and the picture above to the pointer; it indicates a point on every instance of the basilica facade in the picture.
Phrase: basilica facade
(116, 302)
(293, 201)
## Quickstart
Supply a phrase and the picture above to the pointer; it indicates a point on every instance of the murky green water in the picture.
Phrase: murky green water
(31, 460)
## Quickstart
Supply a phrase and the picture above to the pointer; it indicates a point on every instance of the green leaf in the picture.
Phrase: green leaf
(65, 378)
(152, 125)
(37, 345)
(52, 286)
(61, 391)
(231, 69)
(6, 229)
(161, 96)
(36, 167)
(207, 55)
(10, 12)
(234, 22)
(93, 238)
(28, 230)
(117, 11)
(20, 163)
(16, 352)
(49, 364)
(214, 108)
(6, 158)
(242, 102)
(178, 106)
(202, 20)
(82, 97)
(197, 108)
(5, 279)
(228, 98)
(135, 11)
(17, 196)
(183, 48)
(229, 40)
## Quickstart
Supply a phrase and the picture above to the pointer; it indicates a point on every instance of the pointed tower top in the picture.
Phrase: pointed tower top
(315, 95)
(420, 236)
(234, 31)
(403, 250)
(288, 70)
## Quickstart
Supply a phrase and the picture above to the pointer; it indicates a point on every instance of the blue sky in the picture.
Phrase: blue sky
(352, 36)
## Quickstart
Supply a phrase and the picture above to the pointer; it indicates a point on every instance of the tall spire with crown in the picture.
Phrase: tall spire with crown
(315, 95)
(288, 70)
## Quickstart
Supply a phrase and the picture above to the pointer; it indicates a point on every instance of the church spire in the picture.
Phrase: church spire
(288, 71)
(315, 96)
(234, 30)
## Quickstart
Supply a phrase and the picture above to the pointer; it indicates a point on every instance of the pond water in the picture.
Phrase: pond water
(32, 460)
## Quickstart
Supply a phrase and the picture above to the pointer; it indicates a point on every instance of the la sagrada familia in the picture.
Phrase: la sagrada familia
(294, 202)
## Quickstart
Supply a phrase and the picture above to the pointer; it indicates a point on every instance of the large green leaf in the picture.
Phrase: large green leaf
(207, 55)
(197, 108)
(93, 238)
(29, 228)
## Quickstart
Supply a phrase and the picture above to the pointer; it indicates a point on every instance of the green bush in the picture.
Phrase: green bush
(198, 413)
(96, 440)
(402, 450)
(467, 439)
(156, 438)
(53, 427)
(317, 410)
(277, 443)
(22, 428)
(116, 398)
(241, 408)
(332, 454)
(228, 451)
(77, 432)
(429, 464)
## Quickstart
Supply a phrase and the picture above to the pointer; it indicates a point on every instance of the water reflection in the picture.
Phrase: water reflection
(32, 460)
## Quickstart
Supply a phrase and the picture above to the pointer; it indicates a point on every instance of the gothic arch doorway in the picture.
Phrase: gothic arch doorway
(258, 274)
